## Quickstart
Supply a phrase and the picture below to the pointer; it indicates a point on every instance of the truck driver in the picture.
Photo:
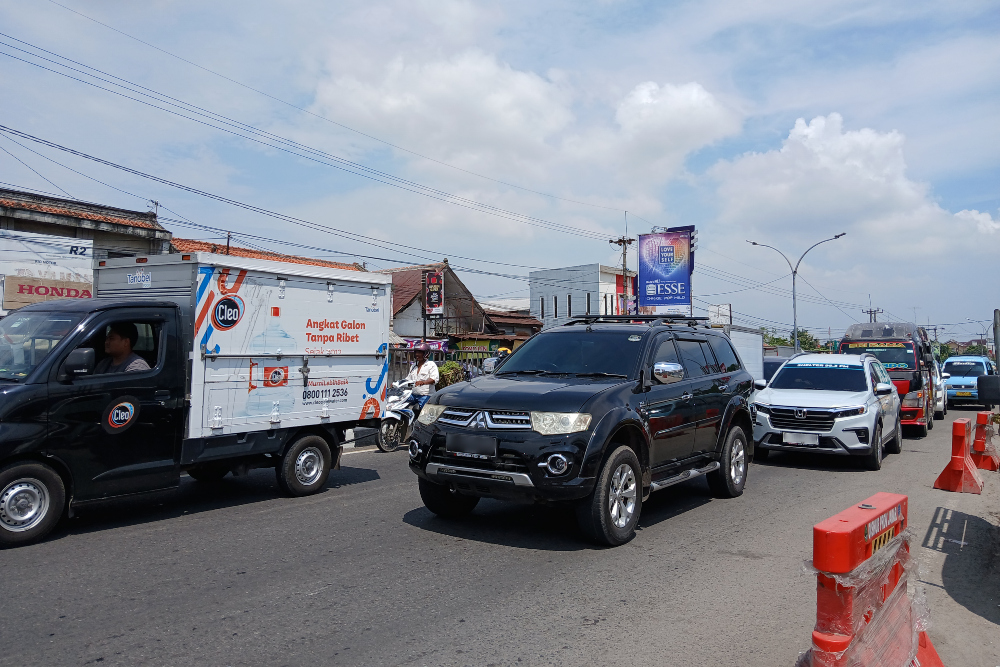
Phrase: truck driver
(118, 344)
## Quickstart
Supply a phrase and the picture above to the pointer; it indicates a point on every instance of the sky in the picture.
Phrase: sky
(513, 136)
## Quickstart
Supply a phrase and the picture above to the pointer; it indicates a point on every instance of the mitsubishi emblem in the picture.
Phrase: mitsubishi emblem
(480, 420)
(800, 413)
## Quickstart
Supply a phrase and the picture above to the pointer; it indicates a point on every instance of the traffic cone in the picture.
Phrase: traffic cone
(984, 453)
(960, 474)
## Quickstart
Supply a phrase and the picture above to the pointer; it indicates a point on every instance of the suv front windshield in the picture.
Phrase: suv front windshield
(25, 339)
(578, 352)
(894, 355)
(824, 377)
(965, 369)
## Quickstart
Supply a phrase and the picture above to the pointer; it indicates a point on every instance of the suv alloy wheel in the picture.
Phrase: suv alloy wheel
(895, 445)
(874, 460)
(728, 481)
(610, 514)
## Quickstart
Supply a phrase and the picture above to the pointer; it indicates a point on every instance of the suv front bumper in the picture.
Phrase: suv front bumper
(849, 436)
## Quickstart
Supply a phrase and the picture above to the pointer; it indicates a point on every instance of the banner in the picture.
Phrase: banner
(665, 266)
(434, 294)
(38, 267)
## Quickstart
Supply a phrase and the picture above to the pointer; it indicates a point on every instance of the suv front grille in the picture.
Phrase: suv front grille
(505, 462)
(490, 419)
(814, 420)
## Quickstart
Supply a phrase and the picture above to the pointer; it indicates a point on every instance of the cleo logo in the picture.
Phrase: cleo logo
(121, 415)
(276, 376)
(227, 313)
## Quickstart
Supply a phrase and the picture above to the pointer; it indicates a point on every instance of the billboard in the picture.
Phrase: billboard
(38, 267)
(434, 294)
(665, 266)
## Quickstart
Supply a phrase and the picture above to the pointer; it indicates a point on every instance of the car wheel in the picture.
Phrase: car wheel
(946, 406)
(444, 501)
(939, 414)
(988, 406)
(32, 498)
(609, 516)
(209, 472)
(728, 481)
(930, 420)
(874, 460)
(304, 468)
(895, 445)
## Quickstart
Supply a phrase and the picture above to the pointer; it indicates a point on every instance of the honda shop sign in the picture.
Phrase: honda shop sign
(665, 266)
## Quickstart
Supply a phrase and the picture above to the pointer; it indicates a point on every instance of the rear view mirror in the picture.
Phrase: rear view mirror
(760, 384)
(945, 376)
(668, 373)
(79, 363)
(988, 387)
(883, 389)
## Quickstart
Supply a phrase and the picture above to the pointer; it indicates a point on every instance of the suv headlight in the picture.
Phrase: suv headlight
(852, 412)
(430, 413)
(760, 407)
(558, 423)
(914, 399)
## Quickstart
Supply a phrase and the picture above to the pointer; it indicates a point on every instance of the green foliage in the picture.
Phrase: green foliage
(806, 340)
(977, 349)
(450, 372)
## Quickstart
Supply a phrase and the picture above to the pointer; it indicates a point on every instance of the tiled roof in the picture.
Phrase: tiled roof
(191, 245)
(503, 317)
(406, 282)
(74, 209)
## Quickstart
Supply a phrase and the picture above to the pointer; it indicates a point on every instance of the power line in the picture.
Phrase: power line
(34, 170)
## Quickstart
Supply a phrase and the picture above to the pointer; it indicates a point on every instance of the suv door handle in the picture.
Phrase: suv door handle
(723, 387)
(686, 396)
(161, 395)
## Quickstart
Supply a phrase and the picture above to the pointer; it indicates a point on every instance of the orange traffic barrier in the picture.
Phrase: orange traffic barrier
(960, 474)
(865, 616)
(984, 453)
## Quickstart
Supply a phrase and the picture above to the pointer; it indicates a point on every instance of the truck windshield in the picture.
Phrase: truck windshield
(823, 377)
(894, 355)
(965, 369)
(581, 352)
(25, 339)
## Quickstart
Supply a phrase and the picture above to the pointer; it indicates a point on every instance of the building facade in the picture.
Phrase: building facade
(557, 295)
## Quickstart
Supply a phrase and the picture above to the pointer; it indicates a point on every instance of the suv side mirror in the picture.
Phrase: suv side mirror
(668, 373)
(883, 389)
(760, 384)
(79, 363)
(945, 376)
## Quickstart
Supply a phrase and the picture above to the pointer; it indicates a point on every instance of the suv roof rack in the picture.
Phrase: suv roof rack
(651, 320)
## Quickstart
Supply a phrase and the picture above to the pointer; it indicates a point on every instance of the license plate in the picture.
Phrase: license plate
(470, 446)
(963, 393)
(800, 439)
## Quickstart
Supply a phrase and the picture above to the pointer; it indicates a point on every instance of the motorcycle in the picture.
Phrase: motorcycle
(400, 412)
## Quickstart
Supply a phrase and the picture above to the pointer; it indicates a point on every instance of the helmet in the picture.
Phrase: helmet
(422, 347)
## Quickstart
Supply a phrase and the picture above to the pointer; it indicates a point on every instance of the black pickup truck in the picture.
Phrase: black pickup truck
(599, 413)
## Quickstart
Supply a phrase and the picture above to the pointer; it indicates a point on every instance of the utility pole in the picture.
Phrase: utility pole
(795, 272)
(872, 313)
(624, 242)
(229, 236)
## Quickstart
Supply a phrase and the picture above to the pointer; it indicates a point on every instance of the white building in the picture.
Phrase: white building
(590, 289)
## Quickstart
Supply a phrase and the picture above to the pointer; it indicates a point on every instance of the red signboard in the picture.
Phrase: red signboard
(434, 294)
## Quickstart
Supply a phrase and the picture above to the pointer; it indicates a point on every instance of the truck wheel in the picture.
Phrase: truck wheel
(728, 481)
(609, 516)
(209, 472)
(32, 498)
(874, 460)
(922, 430)
(443, 501)
(895, 445)
(305, 466)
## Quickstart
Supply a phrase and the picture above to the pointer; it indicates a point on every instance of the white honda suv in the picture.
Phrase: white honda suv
(842, 404)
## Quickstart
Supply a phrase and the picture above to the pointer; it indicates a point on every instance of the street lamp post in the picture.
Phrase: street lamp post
(795, 272)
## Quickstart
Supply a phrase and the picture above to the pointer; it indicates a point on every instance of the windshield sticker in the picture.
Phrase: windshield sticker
(634, 338)
(892, 366)
(877, 345)
(855, 366)
(963, 363)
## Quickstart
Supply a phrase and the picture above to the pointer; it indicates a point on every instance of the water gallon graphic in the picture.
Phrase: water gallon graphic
(273, 339)
(271, 395)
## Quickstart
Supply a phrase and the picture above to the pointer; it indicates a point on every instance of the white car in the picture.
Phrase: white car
(839, 404)
(938, 377)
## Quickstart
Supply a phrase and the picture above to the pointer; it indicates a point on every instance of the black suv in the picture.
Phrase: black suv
(599, 412)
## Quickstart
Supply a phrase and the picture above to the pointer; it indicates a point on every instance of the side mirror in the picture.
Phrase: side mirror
(945, 376)
(668, 373)
(883, 389)
(79, 363)
(760, 384)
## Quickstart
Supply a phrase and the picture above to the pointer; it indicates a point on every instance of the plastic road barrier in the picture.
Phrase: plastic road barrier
(865, 614)
(960, 474)
(984, 453)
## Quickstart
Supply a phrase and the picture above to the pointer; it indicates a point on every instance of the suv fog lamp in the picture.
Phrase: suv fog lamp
(430, 414)
(557, 464)
(414, 449)
(852, 412)
(914, 399)
(559, 423)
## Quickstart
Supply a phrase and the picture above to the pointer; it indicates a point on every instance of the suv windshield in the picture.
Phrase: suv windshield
(826, 377)
(894, 355)
(578, 352)
(25, 339)
(965, 369)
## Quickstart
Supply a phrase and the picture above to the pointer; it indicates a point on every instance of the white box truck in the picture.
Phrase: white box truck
(234, 364)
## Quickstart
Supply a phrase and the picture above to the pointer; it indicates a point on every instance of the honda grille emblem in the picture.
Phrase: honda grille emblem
(800, 414)
(480, 420)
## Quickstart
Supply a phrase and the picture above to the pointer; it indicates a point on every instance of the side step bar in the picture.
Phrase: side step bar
(684, 476)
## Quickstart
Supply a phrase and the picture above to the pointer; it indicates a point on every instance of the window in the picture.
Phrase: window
(696, 357)
(572, 350)
(883, 375)
(728, 361)
(666, 353)
(26, 338)
(569, 305)
(541, 307)
(824, 377)
(605, 304)
(873, 376)
(555, 306)
(588, 303)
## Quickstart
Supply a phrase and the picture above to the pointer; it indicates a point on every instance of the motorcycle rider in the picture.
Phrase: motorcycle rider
(424, 375)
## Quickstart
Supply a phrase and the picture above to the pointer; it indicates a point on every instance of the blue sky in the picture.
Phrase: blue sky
(783, 123)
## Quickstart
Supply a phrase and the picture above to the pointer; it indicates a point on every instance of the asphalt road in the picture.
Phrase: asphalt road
(362, 574)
